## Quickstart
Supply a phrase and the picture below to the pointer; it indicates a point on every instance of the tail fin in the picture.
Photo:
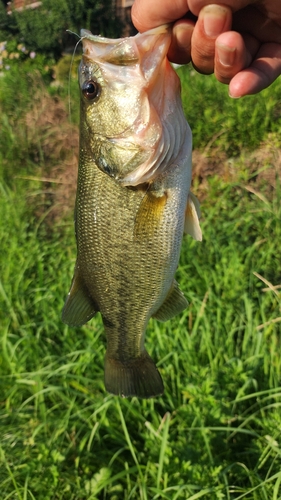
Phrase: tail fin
(136, 377)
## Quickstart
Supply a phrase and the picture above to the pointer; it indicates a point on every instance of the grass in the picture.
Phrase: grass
(215, 433)
(227, 123)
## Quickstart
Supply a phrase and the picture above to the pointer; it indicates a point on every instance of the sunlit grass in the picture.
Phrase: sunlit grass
(230, 124)
(216, 431)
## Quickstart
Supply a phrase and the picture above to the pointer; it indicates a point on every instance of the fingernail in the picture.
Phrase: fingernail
(214, 19)
(237, 96)
(236, 86)
(234, 96)
(183, 34)
(226, 54)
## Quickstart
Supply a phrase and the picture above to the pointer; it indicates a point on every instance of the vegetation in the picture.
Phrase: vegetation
(215, 433)
(226, 123)
(45, 29)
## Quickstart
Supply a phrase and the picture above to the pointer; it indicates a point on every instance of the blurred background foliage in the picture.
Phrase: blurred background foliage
(44, 29)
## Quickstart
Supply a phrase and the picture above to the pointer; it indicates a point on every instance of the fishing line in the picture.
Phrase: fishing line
(70, 69)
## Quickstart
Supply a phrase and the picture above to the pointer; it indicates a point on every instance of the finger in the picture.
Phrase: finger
(260, 26)
(263, 71)
(212, 21)
(196, 5)
(180, 48)
(233, 53)
(147, 14)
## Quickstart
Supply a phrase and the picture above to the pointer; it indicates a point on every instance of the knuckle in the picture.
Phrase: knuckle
(203, 60)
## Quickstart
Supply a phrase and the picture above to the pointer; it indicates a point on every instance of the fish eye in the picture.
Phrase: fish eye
(91, 90)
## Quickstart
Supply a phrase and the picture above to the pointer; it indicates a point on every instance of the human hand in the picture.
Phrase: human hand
(239, 41)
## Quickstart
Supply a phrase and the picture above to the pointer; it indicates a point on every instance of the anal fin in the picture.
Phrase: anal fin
(174, 304)
(79, 306)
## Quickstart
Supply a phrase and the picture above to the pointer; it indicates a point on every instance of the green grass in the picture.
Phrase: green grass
(215, 433)
(229, 124)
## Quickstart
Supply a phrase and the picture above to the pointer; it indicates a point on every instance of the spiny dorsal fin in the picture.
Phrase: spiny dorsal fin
(192, 214)
(79, 306)
(174, 304)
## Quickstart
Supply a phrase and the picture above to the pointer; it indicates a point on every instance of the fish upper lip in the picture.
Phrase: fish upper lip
(84, 33)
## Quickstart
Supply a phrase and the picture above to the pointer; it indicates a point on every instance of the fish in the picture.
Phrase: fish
(133, 201)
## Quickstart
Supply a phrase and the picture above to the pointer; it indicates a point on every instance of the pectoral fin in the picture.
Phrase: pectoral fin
(174, 303)
(192, 214)
(79, 306)
(149, 214)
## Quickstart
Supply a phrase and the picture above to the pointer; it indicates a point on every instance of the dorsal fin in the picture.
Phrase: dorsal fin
(192, 214)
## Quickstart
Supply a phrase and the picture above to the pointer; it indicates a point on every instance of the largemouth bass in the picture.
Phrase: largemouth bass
(133, 200)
